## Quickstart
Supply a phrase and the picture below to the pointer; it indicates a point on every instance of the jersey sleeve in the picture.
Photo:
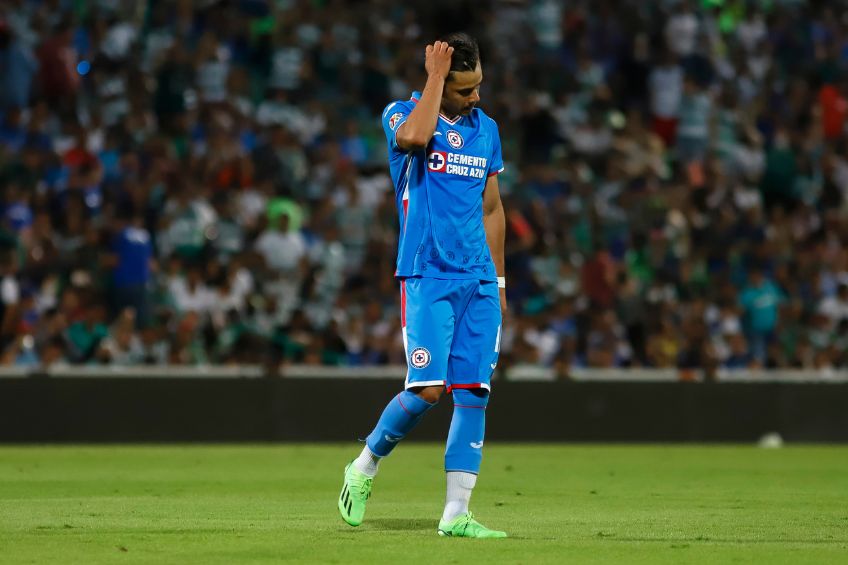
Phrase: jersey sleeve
(496, 164)
(393, 116)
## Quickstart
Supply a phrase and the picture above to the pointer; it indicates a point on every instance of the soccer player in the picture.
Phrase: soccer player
(444, 156)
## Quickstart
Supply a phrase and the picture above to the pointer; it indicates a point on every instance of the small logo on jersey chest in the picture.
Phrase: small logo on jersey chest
(394, 119)
(454, 139)
(419, 358)
(436, 161)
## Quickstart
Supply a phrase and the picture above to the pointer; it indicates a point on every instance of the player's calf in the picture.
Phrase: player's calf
(400, 416)
(467, 430)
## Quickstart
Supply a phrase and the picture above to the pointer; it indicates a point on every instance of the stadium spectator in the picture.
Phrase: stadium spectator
(760, 301)
(132, 262)
(19, 66)
(57, 61)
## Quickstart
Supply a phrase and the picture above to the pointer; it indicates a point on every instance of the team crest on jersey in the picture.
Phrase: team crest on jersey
(455, 139)
(437, 161)
(394, 119)
(419, 358)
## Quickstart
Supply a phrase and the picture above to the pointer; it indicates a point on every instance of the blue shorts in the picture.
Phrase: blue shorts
(451, 331)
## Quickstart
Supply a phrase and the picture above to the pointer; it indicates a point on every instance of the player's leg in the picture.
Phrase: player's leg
(400, 416)
(473, 358)
(427, 320)
(462, 464)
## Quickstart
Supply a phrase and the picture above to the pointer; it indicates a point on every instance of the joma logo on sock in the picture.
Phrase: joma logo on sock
(478, 445)
(391, 439)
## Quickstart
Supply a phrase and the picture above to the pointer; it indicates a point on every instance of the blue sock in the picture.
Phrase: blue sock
(402, 414)
(468, 426)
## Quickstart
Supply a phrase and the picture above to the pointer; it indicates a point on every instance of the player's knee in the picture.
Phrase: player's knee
(431, 394)
(477, 397)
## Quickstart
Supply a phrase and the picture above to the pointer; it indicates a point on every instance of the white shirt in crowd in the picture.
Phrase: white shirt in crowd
(212, 80)
(286, 66)
(751, 31)
(10, 290)
(187, 299)
(681, 30)
(666, 87)
(282, 251)
(545, 18)
(834, 308)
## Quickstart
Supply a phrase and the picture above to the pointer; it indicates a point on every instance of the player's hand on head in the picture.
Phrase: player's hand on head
(437, 60)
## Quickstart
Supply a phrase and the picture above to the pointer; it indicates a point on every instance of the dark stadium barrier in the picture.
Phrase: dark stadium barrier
(215, 409)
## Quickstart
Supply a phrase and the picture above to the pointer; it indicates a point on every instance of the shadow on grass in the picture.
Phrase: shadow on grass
(427, 525)
(403, 524)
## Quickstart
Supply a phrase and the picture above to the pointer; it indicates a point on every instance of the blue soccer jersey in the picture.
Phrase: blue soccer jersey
(439, 194)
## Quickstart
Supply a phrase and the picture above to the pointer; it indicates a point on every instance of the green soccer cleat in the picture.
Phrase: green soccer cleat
(465, 526)
(355, 491)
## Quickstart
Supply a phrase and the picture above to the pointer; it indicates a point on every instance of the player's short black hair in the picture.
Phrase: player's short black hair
(466, 52)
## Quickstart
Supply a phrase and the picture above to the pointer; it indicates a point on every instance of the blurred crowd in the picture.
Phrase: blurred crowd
(200, 182)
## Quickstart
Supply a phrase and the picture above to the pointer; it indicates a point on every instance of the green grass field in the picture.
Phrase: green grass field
(560, 504)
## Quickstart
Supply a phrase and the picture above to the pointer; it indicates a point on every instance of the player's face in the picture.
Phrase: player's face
(462, 92)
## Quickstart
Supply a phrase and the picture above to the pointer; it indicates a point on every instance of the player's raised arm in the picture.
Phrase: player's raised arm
(415, 133)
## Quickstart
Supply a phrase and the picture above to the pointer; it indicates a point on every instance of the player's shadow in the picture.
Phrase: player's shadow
(403, 524)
